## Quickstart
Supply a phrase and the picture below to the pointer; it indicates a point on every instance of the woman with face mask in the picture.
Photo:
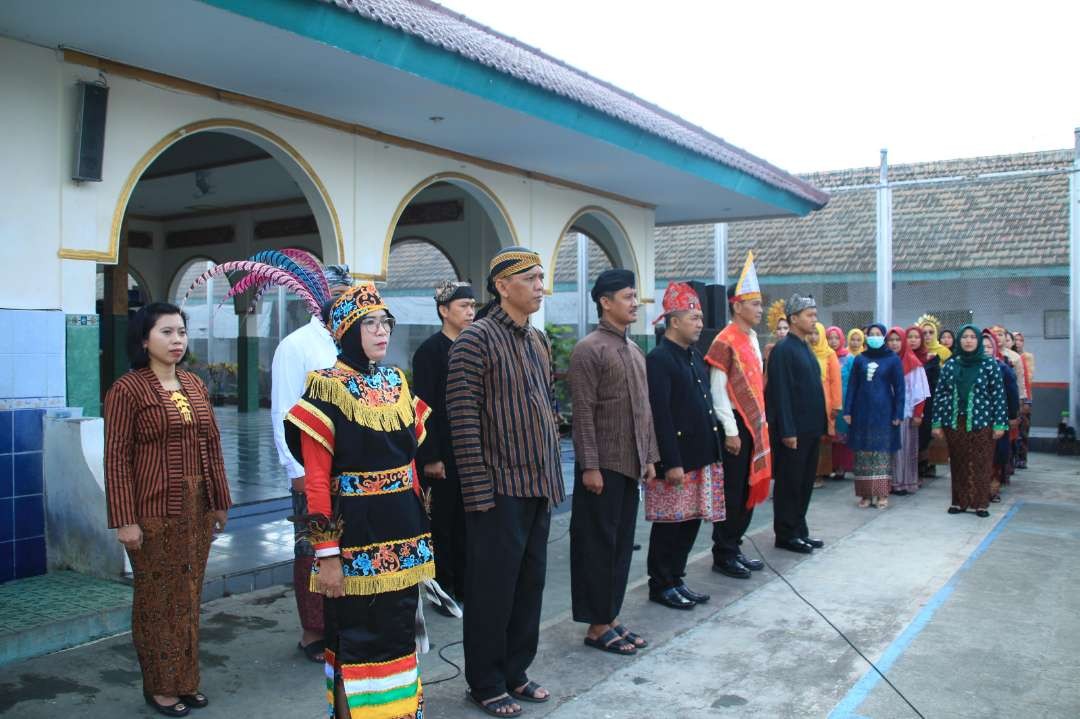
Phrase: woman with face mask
(875, 409)
(970, 413)
(356, 430)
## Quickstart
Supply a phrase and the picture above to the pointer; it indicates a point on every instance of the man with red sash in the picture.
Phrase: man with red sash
(738, 394)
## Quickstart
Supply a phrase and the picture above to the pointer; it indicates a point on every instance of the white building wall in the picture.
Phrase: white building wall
(365, 181)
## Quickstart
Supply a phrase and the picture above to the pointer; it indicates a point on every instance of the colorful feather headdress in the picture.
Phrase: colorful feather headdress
(298, 271)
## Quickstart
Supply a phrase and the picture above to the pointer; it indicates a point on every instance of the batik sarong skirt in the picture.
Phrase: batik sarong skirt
(699, 496)
(873, 474)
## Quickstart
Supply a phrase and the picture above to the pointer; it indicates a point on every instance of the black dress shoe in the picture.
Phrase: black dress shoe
(795, 545)
(731, 568)
(670, 598)
(815, 543)
(753, 564)
(695, 597)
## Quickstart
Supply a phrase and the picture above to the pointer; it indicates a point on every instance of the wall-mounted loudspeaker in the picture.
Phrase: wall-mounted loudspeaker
(90, 132)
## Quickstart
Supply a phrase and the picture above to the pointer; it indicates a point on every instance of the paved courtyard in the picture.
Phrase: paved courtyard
(967, 617)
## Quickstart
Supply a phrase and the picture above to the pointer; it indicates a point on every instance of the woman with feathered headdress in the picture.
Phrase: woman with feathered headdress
(778, 326)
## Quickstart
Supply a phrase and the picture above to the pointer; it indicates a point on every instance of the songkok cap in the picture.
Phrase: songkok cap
(679, 297)
(449, 291)
(797, 303)
(747, 288)
(612, 281)
(356, 302)
(337, 276)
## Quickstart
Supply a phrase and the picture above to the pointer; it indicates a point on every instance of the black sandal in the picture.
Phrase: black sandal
(493, 706)
(982, 513)
(610, 641)
(197, 700)
(629, 636)
(179, 709)
(312, 651)
(955, 510)
(528, 693)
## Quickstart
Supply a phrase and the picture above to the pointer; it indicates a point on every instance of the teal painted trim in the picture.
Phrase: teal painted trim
(325, 23)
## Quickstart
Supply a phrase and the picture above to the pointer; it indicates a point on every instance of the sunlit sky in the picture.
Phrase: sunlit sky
(826, 85)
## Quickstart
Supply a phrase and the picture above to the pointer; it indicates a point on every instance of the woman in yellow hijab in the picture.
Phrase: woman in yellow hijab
(937, 354)
(834, 400)
(931, 327)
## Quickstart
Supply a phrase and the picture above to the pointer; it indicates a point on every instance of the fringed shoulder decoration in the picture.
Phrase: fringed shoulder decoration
(380, 401)
(313, 422)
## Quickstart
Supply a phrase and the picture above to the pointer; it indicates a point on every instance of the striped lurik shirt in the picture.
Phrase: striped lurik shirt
(500, 401)
(150, 449)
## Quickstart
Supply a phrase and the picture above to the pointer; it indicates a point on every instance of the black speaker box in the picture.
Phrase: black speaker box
(90, 132)
(716, 315)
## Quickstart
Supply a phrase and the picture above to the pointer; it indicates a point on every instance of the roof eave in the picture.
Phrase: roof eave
(379, 42)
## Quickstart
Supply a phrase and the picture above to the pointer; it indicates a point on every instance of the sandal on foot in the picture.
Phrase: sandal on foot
(982, 513)
(864, 503)
(883, 504)
(493, 706)
(629, 636)
(197, 700)
(312, 651)
(610, 641)
(955, 510)
(527, 693)
(179, 709)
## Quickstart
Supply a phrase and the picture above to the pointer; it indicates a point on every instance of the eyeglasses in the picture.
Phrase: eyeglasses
(372, 324)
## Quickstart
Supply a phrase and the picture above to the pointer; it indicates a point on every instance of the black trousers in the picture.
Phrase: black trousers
(793, 471)
(669, 546)
(448, 532)
(504, 581)
(727, 535)
(601, 546)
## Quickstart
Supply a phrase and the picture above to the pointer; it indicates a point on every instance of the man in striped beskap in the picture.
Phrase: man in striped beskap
(501, 404)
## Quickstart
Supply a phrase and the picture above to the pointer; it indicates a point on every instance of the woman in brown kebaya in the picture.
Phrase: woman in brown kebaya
(167, 494)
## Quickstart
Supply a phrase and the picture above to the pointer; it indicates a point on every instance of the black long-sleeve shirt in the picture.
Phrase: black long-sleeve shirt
(687, 432)
(794, 396)
(430, 366)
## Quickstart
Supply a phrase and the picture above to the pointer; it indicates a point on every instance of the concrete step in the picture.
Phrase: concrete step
(59, 610)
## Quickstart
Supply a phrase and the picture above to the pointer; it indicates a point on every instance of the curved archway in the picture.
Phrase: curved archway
(604, 228)
(312, 187)
(419, 253)
(483, 195)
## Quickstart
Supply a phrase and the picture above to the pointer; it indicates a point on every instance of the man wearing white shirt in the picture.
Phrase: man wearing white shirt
(737, 381)
(306, 349)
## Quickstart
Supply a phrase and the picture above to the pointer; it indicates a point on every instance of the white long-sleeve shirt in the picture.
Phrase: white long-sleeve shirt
(309, 348)
(721, 401)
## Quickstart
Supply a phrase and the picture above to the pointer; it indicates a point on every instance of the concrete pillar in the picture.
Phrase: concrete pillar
(720, 239)
(884, 261)
(1074, 283)
(114, 317)
(247, 363)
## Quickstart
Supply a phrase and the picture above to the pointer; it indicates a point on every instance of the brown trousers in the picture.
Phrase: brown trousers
(169, 569)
